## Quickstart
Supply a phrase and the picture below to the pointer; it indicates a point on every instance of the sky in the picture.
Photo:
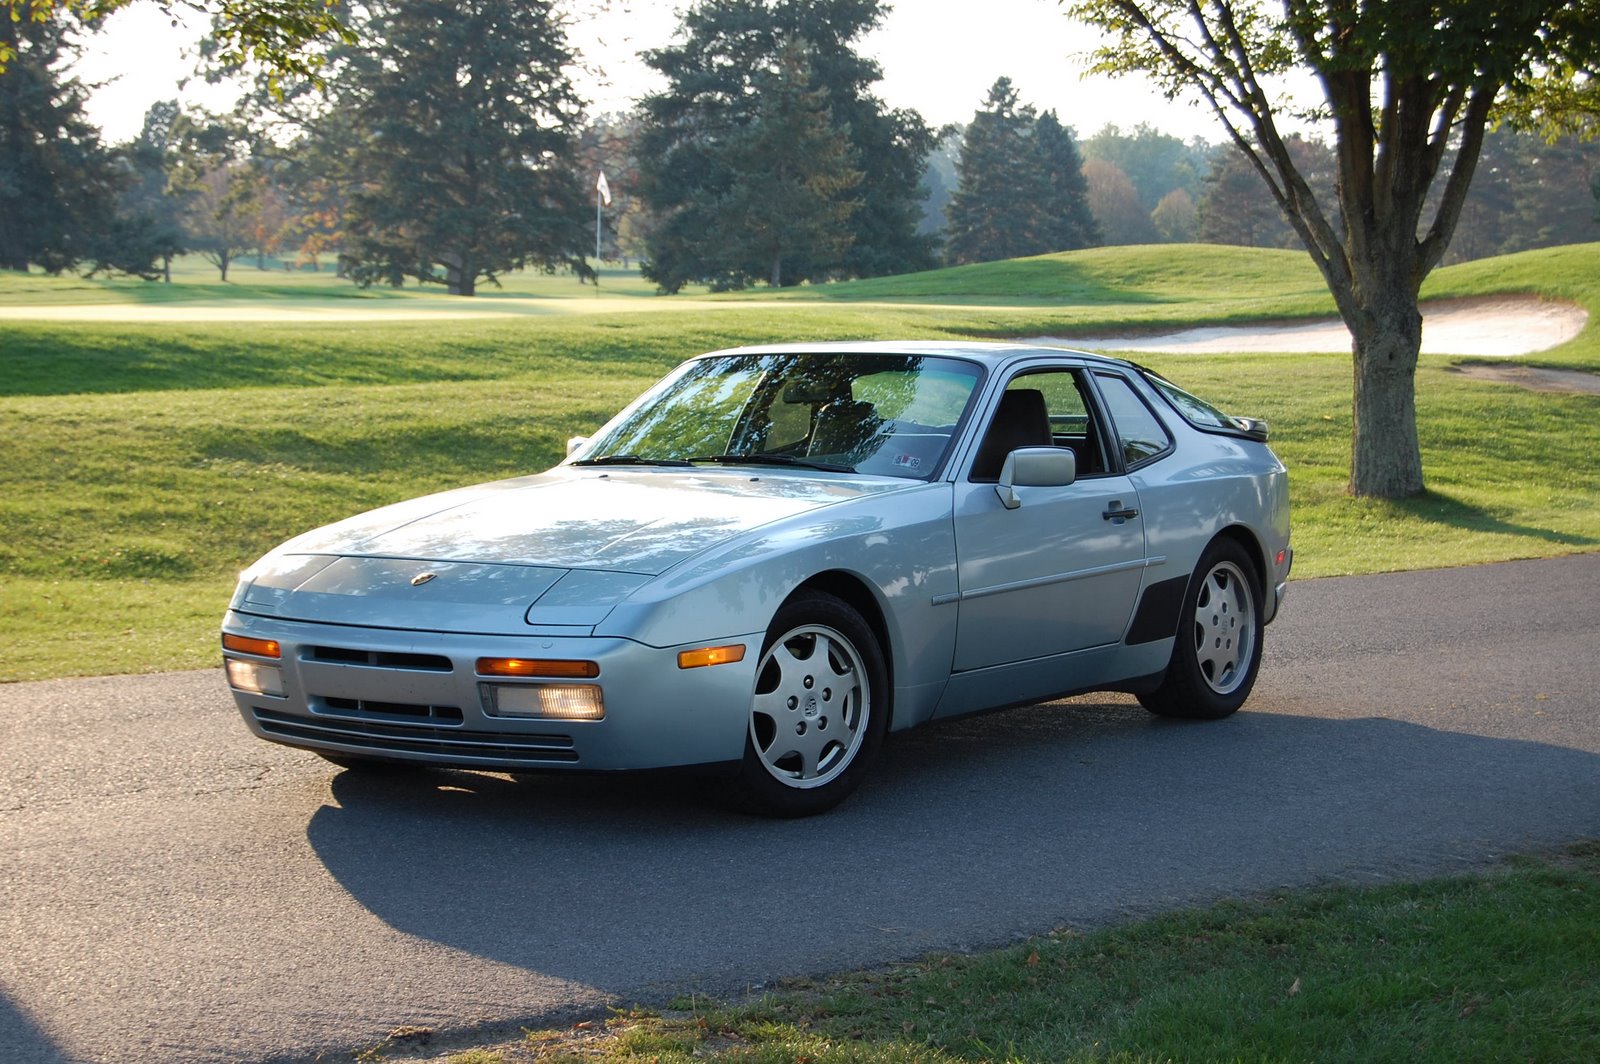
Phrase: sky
(939, 57)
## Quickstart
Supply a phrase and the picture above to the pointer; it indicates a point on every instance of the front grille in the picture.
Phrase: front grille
(446, 716)
(380, 659)
(385, 737)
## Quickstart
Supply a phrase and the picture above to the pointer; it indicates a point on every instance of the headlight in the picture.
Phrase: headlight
(545, 701)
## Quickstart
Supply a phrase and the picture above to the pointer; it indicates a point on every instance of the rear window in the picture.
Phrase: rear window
(1196, 411)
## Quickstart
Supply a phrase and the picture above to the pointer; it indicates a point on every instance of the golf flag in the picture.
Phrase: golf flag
(604, 189)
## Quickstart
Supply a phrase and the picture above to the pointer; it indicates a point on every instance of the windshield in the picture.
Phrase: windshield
(888, 415)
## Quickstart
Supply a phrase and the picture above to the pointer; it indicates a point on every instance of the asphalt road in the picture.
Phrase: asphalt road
(172, 889)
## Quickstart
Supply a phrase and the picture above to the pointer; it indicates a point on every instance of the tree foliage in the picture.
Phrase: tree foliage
(148, 226)
(1114, 201)
(797, 196)
(58, 183)
(1176, 217)
(696, 137)
(1232, 209)
(271, 33)
(1529, 192)
(218, 178)
(1021, 187)
(452, 131)
(1154, 161)
(1408, 87)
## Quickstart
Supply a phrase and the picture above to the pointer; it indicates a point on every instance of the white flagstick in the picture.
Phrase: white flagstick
(602, 194)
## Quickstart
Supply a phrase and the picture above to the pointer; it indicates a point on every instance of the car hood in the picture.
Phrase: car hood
(561, 548)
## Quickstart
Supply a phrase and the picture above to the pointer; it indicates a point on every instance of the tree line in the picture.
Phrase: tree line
(443, 142)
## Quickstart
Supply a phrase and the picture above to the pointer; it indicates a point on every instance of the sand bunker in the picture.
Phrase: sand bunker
(1494, 326)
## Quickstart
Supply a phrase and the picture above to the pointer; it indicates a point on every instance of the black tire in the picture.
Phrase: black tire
(818, 712)
(1217, 651)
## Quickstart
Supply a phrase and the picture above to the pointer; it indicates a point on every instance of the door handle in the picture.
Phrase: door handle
(1118, 512)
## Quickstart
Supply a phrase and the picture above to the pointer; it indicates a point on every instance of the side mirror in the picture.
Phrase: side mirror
(574, 443)
(1035, 467)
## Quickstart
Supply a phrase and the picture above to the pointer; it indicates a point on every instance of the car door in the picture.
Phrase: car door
(1062, 570)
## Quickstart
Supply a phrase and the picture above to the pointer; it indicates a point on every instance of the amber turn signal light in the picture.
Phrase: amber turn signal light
(261, 648)
(696, 659)
(567, 670)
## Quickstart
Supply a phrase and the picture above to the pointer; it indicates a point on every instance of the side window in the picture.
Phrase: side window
(1142, 435)
(1043, 408)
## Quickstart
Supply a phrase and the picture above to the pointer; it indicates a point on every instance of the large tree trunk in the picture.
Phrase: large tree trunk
(460, 276)
(1385, 459)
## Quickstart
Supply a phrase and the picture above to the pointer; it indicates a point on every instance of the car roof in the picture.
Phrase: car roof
(989, 353)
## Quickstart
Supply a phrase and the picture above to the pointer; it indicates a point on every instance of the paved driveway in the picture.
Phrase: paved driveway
(174, 890)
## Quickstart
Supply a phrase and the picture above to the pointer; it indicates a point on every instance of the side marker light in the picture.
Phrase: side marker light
(696, 659)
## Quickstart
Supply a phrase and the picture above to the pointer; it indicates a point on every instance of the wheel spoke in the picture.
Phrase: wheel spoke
(807, 710)
(1223, 628)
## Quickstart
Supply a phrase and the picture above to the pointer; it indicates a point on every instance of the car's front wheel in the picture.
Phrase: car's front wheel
(1218, 648)
(818, 712)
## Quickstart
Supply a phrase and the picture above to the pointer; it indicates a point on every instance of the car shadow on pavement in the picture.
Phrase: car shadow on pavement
(21, 1039)
(968, 834)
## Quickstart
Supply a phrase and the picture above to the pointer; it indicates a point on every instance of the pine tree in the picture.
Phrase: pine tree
(1022, 189)
(695, 132)
(58, 184)
(791, 212)
(462, 163)
(1068, 223)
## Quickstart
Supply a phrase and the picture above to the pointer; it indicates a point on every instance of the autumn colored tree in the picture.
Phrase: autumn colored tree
(1115, 202)
(1176, 217)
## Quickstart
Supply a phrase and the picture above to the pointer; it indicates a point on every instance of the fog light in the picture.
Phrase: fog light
(255, 678)
(544, 701)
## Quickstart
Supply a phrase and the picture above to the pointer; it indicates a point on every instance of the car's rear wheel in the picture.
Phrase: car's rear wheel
(1218, 648)
(818, 712)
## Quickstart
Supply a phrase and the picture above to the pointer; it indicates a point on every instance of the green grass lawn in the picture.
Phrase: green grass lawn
(142, 465)
(1494, 967)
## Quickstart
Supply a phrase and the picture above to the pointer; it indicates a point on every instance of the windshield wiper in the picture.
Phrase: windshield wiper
(774, 459)
(631, 459)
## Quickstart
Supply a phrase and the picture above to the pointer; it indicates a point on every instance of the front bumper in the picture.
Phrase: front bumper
(416, 696)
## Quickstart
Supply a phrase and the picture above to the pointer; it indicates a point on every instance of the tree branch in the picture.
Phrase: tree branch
(1430, 250)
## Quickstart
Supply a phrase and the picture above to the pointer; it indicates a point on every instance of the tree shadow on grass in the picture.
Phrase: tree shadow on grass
(1437, 508)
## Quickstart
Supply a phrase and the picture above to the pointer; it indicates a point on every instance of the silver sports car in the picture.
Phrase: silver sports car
(774, 557)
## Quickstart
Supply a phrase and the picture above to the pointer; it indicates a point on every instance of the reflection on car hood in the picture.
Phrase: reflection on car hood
(635, 521)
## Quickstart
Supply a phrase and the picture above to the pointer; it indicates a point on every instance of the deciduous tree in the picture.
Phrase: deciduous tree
(1175, 217)
(270, 33)
(1402, 83)
(1115, 202)
(1154, 161)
